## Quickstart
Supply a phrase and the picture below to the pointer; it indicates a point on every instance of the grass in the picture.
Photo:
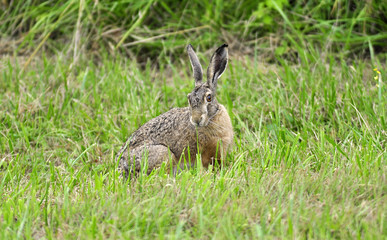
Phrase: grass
(309, 159)
(308, 110)
(150, 29)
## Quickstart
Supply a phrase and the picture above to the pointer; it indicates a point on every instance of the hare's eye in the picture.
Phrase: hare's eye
(208, 98)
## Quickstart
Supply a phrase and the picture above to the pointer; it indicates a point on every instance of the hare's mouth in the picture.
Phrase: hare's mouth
(203, 122)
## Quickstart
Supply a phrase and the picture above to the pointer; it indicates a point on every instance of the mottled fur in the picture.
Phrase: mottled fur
(181, 133)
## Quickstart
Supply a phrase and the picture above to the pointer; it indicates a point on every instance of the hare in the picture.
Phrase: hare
(177, 136)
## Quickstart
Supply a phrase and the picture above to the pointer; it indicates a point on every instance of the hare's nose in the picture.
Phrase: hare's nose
(198, 120)
(201, 121)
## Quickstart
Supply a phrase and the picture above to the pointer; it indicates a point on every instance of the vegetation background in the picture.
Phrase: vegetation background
(305, 89)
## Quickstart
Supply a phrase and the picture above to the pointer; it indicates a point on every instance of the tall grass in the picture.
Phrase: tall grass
(143, 29)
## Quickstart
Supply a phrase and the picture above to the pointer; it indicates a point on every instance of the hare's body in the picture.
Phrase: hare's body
(157, 139)
(182, 133)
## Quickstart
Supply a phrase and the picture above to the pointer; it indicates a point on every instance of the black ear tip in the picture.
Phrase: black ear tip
(189, 46)
(222, 48)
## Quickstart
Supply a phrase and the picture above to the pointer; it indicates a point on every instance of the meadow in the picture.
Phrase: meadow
(309, 115)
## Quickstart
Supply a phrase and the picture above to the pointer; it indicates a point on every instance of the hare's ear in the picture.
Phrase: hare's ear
(196, 67)
(218, 64)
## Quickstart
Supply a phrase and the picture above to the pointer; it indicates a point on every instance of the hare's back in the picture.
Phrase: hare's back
(161, 128)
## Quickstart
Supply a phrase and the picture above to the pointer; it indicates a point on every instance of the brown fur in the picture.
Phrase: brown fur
(176, 136)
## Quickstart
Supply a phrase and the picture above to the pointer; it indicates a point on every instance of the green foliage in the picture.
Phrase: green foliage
(266, 10)
(162, 28)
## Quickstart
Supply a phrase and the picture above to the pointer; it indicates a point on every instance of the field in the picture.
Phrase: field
(308, 160)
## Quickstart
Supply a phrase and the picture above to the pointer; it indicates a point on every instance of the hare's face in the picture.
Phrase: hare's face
(202, 101)
(203, 105)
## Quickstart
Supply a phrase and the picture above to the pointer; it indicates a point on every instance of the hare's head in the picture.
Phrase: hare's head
(202, 100)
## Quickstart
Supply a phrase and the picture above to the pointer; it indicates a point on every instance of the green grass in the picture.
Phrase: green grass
(153, 29)
(309, 155)
(309, 159)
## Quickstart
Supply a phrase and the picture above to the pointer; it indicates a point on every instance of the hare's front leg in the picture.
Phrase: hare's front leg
(219, 155)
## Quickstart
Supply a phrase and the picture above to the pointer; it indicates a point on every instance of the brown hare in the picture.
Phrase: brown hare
(177, 136)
